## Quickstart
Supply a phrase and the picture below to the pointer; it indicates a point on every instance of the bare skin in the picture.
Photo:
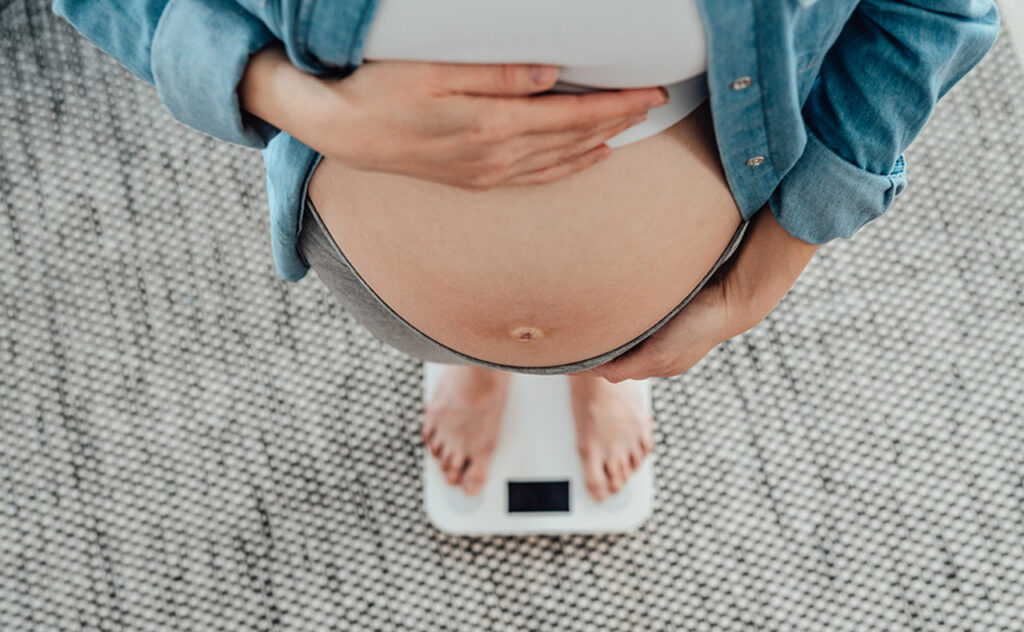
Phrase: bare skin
(461, 423)
(613, 431)
(447, 125)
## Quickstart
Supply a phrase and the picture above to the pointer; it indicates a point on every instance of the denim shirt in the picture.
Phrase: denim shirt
(813, 101)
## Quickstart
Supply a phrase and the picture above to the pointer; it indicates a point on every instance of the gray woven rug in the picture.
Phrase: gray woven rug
(189, 443)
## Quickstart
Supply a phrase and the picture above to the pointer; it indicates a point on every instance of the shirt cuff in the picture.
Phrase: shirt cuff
(825, 196)
(200, 50)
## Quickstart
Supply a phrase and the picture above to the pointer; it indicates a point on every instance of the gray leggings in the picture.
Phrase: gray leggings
(322, 254)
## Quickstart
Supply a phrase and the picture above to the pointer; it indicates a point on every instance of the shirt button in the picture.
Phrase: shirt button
(742, 83)
(755, 161)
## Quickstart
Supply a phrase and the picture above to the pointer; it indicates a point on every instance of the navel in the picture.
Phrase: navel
(526, 333)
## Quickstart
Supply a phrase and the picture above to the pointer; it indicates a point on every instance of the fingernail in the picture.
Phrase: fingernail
(662, 98)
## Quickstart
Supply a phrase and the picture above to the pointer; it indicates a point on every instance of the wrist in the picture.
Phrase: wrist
(274, 90)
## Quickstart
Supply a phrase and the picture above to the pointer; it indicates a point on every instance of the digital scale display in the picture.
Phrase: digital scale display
(538, 496)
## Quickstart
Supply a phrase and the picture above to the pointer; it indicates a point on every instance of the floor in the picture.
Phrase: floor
(189, 443)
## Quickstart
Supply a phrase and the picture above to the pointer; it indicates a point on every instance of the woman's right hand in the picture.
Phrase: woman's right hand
(472, 126)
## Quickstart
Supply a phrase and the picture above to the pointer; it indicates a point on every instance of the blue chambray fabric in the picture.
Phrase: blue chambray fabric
(838, 90)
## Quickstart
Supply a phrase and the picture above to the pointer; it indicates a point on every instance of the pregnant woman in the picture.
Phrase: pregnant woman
(554, 278)
(462, 211)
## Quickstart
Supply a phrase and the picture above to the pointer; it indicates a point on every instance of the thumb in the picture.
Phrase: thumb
(496, 79)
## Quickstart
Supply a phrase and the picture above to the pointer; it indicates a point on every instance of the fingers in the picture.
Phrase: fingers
(549, 174)
(566, 151)
(677, 346)
(534, 142)
(563, 154)
(493, 79)
(544, 156)
(519, 139)
(562, 112)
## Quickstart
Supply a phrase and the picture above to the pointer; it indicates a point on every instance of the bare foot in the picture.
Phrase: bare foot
(460, 424)
(613, 431)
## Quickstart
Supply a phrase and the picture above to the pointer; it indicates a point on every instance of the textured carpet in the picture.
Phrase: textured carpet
(187, 442)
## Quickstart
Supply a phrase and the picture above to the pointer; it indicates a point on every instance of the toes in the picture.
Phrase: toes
(476, 474)
(638, 454)
(595, 478)
(616, 470)
(452, 462)
(444, 454)
(646, 443)
(476, 471)
(453, 465)
(427, 431)
(435, 446)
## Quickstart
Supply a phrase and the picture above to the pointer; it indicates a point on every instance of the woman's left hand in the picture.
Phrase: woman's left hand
(739, 296)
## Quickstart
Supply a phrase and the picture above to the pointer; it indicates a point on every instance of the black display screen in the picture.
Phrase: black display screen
(537, 496)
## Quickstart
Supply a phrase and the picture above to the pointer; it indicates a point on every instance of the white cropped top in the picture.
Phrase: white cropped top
(598, 44)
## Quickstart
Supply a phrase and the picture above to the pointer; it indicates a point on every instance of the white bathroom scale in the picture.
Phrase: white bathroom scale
(535, 481)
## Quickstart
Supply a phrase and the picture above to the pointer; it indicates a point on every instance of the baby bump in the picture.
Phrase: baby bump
(544, 274)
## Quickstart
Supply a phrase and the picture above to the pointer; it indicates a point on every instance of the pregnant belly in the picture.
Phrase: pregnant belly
(543, 274)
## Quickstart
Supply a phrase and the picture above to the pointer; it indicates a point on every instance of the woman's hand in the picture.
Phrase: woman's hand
(743, 291)
(472, 126)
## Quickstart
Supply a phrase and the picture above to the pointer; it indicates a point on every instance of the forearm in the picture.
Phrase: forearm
(768, 263)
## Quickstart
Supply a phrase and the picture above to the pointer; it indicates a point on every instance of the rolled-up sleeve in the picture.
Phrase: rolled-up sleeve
(876, 89)
(193, 52)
